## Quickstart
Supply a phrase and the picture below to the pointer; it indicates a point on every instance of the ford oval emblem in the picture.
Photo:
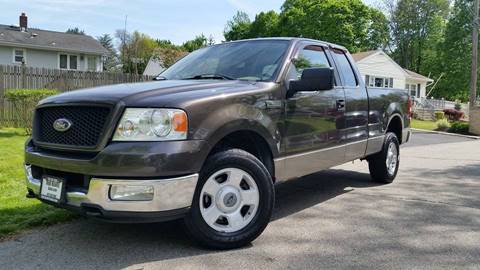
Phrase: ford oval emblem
(62, 124)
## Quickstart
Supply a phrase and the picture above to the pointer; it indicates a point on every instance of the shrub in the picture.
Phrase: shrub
(24, 102)
(439, 115)
(453, 115)
(458, 106)
(443, 124)
(460, 128)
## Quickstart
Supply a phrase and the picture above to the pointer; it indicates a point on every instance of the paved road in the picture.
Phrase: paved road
(420, 138)
(428, 218)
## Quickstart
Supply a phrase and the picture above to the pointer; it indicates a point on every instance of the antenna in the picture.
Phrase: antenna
(124, 37)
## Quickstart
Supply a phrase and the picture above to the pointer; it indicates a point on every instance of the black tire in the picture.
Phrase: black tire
(377, 163)
(211, 238)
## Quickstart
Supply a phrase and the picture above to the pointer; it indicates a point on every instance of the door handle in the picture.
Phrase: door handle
(340, 104)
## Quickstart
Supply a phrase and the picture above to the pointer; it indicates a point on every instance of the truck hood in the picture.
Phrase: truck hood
(150, 93)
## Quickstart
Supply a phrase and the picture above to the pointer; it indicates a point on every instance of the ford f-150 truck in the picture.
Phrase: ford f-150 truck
(208, 139)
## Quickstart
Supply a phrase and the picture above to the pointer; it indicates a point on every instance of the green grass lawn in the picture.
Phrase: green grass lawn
(18, 213)
(420, 124)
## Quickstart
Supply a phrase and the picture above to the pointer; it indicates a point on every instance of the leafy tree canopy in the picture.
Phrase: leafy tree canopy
(347, 22)
(75, 30)
(111, 60)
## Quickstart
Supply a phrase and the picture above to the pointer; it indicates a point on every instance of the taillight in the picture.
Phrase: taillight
(410, 112)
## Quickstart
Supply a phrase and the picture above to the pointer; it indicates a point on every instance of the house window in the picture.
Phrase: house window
(68, 61)
(63, 61)
(18, 56)
(413, 90)
(376, 81)
(73, 62)
(92, 63)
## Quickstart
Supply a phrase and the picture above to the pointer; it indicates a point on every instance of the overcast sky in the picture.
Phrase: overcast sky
(177, 20)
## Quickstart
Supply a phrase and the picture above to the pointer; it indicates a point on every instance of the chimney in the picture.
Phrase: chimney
(23, 22)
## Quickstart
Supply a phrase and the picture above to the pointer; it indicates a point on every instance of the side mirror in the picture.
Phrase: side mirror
(313, 79)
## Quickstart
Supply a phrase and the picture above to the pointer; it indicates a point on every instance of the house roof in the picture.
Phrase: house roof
(416, 75)
(154, 67)
(409, 74)
(361, 55)
(49, 40)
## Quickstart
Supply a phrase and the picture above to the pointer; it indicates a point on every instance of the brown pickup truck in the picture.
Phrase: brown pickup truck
(210, 137)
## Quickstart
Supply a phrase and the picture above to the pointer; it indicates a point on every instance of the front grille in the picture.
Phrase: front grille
(88, 124)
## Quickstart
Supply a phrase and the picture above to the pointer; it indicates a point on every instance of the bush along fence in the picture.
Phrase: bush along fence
(22, 77)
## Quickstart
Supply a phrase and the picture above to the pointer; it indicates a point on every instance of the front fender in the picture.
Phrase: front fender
(240, 117)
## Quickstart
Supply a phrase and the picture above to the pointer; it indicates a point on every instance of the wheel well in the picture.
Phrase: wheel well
(250, 142)
(396, 127)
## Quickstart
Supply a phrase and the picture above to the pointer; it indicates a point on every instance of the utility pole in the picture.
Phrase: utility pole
(473, 80)
(124, 42)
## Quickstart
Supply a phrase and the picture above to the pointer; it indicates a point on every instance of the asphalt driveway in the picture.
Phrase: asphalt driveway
(428, 218)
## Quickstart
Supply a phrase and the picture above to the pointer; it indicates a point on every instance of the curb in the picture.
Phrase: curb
(446, 133)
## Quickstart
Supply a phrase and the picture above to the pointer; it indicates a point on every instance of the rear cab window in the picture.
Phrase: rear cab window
(345, 68)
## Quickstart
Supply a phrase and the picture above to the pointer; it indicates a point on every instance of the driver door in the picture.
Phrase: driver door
(313, 119)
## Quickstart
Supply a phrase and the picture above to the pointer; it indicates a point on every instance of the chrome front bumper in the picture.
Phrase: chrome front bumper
(169, 194)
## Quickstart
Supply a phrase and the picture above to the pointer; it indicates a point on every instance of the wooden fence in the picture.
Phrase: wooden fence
(17, 77)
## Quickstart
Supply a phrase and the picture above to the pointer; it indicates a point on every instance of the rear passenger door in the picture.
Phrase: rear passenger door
(313, 120)
(356, 105)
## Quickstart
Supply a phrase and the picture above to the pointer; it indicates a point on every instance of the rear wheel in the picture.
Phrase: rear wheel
(233, 201)
(384, 165)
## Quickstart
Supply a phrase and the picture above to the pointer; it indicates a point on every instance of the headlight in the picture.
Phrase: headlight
(152, 125)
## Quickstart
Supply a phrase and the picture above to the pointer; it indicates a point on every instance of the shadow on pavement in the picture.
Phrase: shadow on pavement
(298, 194)
(122, 245)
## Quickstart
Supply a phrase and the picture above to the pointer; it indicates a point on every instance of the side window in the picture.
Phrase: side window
(345, 68)
(308, 57)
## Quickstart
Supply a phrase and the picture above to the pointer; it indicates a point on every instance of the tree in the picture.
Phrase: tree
(378, 33)
(347, 22)
(453, 54)
(417, 27)
(165, 43)
(135, 50)
(111, 60)
(211, 40)
(168, 55)
(238, 27)
(198, 42)
(75, 30)
(265, 25)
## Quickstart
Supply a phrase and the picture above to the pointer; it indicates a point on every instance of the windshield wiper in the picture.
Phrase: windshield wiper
(209, 76)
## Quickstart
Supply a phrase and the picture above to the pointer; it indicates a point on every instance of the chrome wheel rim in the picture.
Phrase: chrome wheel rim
(392, 158)
(229, 200)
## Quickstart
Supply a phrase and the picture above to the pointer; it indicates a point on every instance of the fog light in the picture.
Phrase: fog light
(131, 193)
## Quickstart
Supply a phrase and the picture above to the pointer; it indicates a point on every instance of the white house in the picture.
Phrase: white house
(379, 70)
(49, 49)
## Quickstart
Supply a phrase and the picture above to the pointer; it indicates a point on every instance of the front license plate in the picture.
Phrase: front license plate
(52, 188)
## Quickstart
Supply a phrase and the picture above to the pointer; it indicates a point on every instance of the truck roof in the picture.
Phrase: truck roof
(295, 39)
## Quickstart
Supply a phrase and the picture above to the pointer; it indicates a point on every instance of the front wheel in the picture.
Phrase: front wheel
(233, 201)
(384, 165)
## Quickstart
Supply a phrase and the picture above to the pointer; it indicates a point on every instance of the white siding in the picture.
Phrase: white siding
(41, 59)
(423, 86)
(6, 56)
(380, 65)
(44, 58)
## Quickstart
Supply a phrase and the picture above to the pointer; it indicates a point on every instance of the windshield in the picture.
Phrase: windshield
(256, 60)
